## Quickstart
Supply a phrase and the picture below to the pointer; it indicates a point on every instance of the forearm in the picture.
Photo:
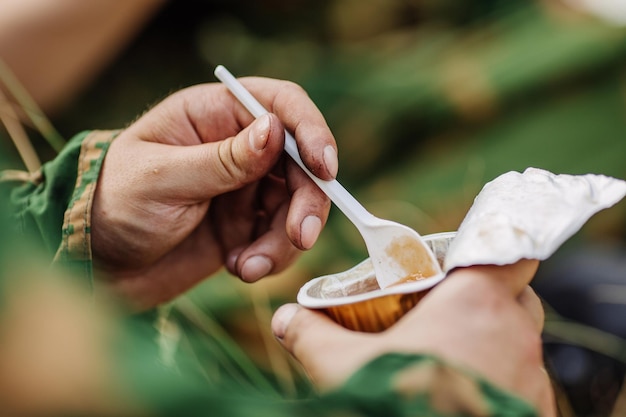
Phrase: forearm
(55, 47)
(407, 385)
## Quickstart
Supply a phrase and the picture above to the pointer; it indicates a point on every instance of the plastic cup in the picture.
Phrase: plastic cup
(354, 299)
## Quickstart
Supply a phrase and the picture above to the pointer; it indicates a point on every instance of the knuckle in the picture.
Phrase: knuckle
(297, 332)
(293, 88)
(532, 347)
(289, 97)
(229, 168)
(487, 298)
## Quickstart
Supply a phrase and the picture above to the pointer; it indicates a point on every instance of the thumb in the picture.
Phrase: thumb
(311, 336)
(299, 329)
(229, 164)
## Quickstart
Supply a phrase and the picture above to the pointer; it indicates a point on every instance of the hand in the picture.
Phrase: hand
(196, 184)
(483, 318)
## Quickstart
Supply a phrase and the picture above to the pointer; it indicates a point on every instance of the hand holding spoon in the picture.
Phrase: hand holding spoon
(396, 251)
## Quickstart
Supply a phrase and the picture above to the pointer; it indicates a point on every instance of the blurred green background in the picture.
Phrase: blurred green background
(428, 101)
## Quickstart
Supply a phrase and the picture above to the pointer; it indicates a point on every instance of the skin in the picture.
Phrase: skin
(56, 47)
(197, 184)
(485, 319)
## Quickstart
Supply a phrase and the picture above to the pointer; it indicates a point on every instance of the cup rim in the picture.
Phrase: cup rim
(308, 301)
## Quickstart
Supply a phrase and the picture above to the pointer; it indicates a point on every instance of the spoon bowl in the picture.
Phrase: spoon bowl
(398, 252)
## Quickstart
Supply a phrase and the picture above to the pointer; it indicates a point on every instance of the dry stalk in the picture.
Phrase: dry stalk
(11, 122)
(276, 355)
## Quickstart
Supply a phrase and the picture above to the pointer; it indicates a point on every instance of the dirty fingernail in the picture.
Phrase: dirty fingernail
(330, 160)
(282, 318)
(259, 133)
(256, 267)
(310, 229)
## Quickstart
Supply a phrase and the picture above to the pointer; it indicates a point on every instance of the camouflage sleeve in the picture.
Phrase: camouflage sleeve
(393, 385)
(54, 203)
(422, 385)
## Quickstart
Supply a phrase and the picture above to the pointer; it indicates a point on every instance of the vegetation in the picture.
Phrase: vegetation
(428, 101)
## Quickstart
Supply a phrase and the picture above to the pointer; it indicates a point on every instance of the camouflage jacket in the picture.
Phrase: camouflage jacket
(53, 208)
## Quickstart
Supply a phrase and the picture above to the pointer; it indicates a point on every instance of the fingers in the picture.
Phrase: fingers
(539, 392)
(309, 208)
(505, 280)
(197, 173)
(200, 145)
(208, 113)
(328, 352)
(251, 222)
(281, 320)
(530, 302)
(303, 119)
(304, 332)
(546, 403)
(270, 253)
(234, 163)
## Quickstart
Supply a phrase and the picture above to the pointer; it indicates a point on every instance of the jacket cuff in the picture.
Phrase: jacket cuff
(74, 250)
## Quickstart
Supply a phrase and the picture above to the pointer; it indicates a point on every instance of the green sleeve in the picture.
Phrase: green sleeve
(423, 385)
(393, 385)
(53, 206)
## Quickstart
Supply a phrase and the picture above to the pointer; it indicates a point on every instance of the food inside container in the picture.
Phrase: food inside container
(354, 299)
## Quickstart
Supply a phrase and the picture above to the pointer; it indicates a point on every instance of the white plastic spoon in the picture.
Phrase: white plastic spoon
(397, 251)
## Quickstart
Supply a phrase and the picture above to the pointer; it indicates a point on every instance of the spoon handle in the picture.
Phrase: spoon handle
(353, 210)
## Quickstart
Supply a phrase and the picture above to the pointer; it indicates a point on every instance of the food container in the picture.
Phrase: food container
(353, 298)
(515, 216)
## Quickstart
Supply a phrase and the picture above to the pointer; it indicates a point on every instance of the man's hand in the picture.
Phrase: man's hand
(485, 319)
(197, 183)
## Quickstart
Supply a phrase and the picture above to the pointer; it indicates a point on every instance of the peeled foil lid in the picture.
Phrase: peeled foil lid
(529, 215)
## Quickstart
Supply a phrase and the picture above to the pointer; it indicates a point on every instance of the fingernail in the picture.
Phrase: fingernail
(255, 268)
(259, 133)
(231, 261)
(310, 229)
(330, 160)
(282, 318)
